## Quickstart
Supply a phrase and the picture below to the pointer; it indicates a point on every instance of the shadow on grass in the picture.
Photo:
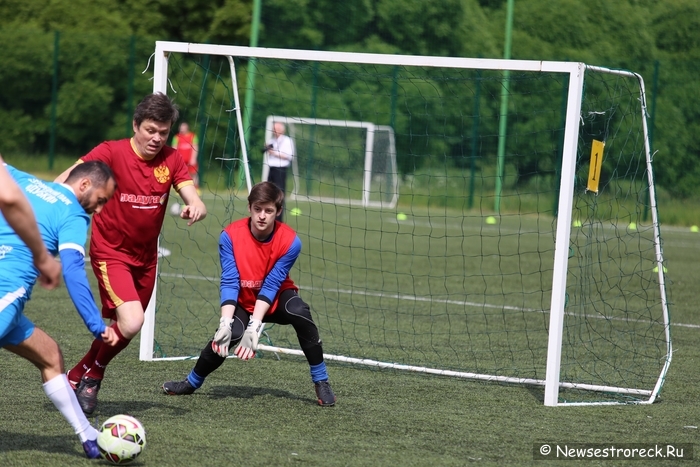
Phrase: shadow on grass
(12, 441)
(17, 441)
(537, 393)
(247, 392)
(106, 409)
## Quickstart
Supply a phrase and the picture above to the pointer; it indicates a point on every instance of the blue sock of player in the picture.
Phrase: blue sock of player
(318, 372)
(195, 380)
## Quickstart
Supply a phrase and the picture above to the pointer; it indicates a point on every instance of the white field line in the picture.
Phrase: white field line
(414, 298)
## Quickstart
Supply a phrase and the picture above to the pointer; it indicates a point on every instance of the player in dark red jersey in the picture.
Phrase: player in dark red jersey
(187, 144)
(124, 241)
(256, 256)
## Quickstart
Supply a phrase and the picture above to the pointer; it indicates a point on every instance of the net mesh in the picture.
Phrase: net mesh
(442, 280)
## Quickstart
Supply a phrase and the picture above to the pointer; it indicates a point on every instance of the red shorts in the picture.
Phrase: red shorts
(120, 282)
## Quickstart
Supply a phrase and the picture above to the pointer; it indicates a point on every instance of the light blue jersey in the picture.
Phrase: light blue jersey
(63, 224)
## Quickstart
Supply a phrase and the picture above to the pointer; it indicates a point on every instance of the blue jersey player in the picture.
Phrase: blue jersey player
(62, 213)
(18, 213)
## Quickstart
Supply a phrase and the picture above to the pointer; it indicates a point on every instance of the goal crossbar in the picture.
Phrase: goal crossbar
(575, 72)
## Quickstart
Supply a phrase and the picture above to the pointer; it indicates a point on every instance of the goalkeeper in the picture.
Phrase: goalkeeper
(256, 254)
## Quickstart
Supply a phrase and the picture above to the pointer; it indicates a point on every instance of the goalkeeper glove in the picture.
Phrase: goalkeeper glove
(222, 338)
(249, 343)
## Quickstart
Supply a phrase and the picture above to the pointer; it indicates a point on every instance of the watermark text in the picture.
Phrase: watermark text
(624, 451)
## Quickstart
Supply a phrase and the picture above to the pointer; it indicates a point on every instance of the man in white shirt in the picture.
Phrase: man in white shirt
(280, 152)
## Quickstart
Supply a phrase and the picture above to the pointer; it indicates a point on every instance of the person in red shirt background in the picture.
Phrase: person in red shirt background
(187, 144)
(124, 241)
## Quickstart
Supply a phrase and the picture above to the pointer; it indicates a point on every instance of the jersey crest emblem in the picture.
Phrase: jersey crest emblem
(162, 174)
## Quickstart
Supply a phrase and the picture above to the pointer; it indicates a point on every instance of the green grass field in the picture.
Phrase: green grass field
(263, 412)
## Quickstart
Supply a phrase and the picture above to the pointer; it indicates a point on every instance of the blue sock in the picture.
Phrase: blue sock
(195, 380)
(318, 372)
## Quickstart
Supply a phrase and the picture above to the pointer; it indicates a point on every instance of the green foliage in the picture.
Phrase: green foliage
(453, 28)
(594, 32)
(231, 24)
(24, 74)
(77, 99)
(82, 15)
(676, 25)
(339, 22)
(284, 19)
(99, 74)
(20, 130)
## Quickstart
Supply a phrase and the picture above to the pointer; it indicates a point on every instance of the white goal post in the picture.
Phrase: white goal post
(574, 73)
(378, 176)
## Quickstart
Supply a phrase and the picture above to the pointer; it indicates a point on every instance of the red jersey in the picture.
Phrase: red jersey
(128, 226)
(255, 260)
(184, 143)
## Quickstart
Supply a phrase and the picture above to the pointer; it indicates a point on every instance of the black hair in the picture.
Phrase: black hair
(157, 107)
(97, 171)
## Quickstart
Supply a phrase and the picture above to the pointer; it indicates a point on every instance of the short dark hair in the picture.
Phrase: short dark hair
(157, 107)
(266, 192)
(97, 171)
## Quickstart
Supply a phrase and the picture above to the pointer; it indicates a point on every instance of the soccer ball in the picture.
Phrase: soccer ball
(121, 439)
(175, 209)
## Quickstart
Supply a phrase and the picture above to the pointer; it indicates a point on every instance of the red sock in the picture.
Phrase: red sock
(77, 372)
(105, 355)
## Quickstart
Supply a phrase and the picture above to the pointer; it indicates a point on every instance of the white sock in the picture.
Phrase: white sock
(61, 394)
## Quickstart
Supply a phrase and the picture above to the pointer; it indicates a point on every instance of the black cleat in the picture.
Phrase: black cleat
(324, 393)
(87, 393)
(178, 388)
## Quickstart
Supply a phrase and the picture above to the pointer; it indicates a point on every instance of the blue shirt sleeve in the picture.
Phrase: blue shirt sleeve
(73, 264)
(230, 278)
(279, 272)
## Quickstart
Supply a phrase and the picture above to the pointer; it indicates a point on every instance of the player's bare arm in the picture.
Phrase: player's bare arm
(194, 209)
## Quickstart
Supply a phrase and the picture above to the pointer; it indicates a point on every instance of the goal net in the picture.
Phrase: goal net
(340, 161)
(524, 247)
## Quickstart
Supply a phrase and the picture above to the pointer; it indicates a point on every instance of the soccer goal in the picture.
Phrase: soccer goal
(538, 265)
(340, 161)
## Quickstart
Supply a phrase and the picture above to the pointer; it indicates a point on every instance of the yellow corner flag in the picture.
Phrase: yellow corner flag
(596, 164)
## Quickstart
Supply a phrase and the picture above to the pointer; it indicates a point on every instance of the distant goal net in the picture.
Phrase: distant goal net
(506, 230)
(340, 161)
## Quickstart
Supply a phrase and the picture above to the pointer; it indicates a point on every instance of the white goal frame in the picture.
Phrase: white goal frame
(575, 72)
(371, 129)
